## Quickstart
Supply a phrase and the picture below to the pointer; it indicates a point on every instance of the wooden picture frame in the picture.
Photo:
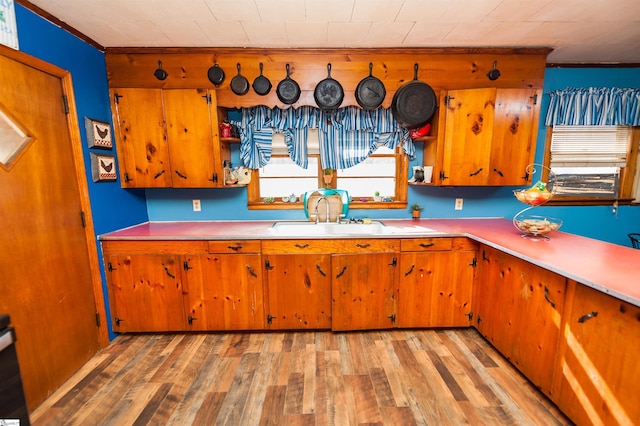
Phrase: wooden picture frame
(103, 167)
(99, 133)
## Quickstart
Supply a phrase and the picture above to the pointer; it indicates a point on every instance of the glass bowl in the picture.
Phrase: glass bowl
(532, 198)
(536, 226)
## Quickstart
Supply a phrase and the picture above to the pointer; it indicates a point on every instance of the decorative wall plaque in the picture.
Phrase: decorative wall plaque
(103, 167)
(98, 133)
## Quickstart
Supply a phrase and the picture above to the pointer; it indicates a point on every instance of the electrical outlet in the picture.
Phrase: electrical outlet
(458, 204)
(196, 206)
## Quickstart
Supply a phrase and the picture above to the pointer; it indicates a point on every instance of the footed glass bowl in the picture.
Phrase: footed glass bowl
(536, 226)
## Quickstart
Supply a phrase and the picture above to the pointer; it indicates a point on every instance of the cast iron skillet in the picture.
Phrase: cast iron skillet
(239, 83)
(216, 75)
(328, 93)
(261, 85)
(370, 92)
(414, 103)
(288, 90)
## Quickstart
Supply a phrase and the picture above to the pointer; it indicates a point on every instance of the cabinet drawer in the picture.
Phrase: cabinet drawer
(234, 246)
(330, 246)
(426, 244)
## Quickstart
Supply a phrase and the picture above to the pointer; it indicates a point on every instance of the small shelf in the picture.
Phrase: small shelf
(421, 183)
(424, 139)
(230, 140)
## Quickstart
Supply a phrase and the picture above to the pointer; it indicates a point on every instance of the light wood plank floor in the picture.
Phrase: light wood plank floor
(399, 377)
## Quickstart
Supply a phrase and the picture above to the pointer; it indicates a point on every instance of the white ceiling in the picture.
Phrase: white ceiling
(579, 31)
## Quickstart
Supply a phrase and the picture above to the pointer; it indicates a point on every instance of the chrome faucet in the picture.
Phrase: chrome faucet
(326, 203)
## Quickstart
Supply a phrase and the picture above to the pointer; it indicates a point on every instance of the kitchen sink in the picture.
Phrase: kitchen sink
(312, 229)
(302, 229)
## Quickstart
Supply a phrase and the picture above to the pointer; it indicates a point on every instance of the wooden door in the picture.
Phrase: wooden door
(46, 255)
(189, 132)
(468, 133)
(514, 136)
(485, 292)
(435, 289)
(597, 377)
(224, 292)
(299, 291)
(147, 292)
(363, 290)
(141, 140)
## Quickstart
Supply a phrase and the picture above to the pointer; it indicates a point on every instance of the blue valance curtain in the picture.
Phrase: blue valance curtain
(347, 136)
(594, 107)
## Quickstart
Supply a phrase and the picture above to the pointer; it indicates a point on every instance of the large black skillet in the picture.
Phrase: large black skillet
(288, 90)
(370, 92)
(328, 94)
(414, 103)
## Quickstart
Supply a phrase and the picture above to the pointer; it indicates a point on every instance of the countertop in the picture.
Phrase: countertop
(609, 268)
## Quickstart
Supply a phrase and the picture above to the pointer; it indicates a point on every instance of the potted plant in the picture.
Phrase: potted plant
(415, 209)
(328, 176)
(377, 197)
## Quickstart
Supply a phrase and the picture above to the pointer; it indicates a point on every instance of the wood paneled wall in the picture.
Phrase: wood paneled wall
(441, 68)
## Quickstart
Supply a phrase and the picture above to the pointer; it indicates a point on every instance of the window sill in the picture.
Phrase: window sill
(590, 201)
(354, 205)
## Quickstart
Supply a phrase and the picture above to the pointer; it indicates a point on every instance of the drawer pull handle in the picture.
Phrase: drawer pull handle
(251, 271)
(476, 172)
(301, 246)
(181, 175)
(425, 245)
(235, 248)
(157, 175)
(363, 245)
(321, 271)
(587, 316)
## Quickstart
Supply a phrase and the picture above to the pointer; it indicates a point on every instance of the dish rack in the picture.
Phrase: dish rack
(536, 227)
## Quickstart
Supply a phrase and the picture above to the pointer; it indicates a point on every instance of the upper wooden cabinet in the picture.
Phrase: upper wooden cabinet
(168, 138)
(486, 137)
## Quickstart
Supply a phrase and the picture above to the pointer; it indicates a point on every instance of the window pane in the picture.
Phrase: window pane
(367, 187)
(283, 177)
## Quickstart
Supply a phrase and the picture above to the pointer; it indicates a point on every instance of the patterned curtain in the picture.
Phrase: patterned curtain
(594, 107)
(347, 136)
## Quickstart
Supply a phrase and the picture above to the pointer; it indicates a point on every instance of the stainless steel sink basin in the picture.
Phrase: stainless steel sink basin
(302, 229)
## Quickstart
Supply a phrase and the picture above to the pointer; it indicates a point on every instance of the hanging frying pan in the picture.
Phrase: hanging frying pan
(239, 83)
(414, 103)
(288, 90)
(370, 92)
(261, 85)
(216, 75)
(328, 93)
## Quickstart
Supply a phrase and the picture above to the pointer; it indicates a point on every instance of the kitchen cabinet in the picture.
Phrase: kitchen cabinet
(168, 138)
(223, 289)
(518, 309)
(363, 284)
(597, 379)
(146, 292)
(435, 285)
(487, 136)
(297, 278)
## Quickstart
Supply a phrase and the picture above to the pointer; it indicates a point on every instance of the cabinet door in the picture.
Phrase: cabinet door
(298, 290)
(597, 377)
(363, 290)
(147, 293)
(435, 289)
(523, 307)
(514, 133)
(189, 132)
(224, 292)
(141, 142)
(467, 136)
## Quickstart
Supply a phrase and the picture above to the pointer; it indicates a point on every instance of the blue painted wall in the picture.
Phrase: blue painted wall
(112, 207)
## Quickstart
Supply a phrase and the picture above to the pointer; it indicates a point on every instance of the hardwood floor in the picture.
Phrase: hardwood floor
(399, 377)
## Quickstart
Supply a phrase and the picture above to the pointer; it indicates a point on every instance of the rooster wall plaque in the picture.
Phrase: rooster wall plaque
(103, 167)
(98, 133)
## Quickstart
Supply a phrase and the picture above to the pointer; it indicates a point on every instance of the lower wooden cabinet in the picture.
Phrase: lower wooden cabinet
(146, 292)
(597, 376)
(518, 309)
(436, 282)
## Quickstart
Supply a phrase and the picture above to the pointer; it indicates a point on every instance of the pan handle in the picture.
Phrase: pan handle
(329, 70)
(415, 71)
(370, 69)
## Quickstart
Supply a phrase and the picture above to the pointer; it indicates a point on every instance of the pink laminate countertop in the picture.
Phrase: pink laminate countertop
(609, 268)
